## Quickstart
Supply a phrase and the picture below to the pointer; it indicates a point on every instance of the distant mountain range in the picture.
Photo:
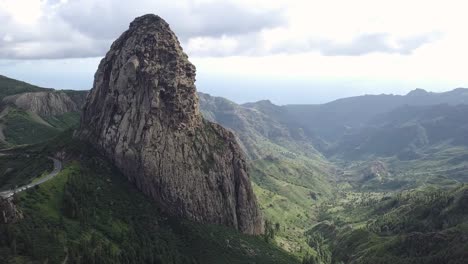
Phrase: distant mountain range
(405, 127)
(406, 131)
(332, 120)
(377, 125)
(303, 156)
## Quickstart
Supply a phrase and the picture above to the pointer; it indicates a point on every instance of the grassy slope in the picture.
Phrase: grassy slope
(290, 183)
(63, 122)
(21, 127)
(286, 190)
(20, 167)
(417, 226)
(91, 214)
(442, 166)
(287, 187)
(289, 175)
(10, 86)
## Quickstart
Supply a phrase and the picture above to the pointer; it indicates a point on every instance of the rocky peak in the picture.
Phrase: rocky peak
(150, 51)
(418, 92)
(143, 114)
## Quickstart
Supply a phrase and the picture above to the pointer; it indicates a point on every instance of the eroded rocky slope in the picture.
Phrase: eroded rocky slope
(9, 213)
(44, 103)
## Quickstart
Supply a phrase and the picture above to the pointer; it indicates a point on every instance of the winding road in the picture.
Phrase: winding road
(57, 169)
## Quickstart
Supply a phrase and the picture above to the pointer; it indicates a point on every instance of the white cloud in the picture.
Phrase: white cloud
(229, 27)
(86, 28)
(23, 12)
(416, 42)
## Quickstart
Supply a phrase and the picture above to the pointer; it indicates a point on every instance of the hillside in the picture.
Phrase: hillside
(90, 213)
(10, 86)
(420, 226)
(411, 149)
(289, 174)
(419, 137)
(332, 120)
(393, 143)
(31, 114)
(408, 129)
(419, 145)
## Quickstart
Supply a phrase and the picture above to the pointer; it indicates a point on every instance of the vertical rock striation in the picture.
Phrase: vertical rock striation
(9, 213)
(44, 103)
(143, 114)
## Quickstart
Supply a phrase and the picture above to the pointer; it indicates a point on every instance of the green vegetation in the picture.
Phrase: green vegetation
(18, 127)
(381, 154)
(90, 213)
(416, 226)
(388, 186)
(289, 176)
(288, 184)
(21, 127)
(406, 132)
(3, 144)
(442, 166)
(10, 86)
(19, 167)
(287, 189)
(66, 121)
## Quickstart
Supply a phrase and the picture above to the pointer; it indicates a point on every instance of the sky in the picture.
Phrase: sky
(288, 51)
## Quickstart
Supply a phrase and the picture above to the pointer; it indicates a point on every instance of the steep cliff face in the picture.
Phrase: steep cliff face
(143, 114)
(44, 103)
(9, 213)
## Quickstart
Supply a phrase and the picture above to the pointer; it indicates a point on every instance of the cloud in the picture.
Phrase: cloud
(246, 44)
(188, 19)
(86, 28)
(219, 28)
(253, 45)
(377, 42)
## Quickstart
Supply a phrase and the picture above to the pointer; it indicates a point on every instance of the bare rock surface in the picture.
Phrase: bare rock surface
(44, 103)
(9, 213)
(143, 114)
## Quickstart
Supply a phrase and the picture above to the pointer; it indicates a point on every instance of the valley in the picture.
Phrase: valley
(374, 160)
(148, 170)
(352, 200)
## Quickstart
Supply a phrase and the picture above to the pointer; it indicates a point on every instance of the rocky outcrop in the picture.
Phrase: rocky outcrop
(45, 103)
(143, 113)
(9, 213)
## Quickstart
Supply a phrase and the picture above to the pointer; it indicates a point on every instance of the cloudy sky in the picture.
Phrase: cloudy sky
(289, 51)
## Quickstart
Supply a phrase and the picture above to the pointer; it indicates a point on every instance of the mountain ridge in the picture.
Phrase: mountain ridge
(31, 114)
(296, 173)
(331, 120)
